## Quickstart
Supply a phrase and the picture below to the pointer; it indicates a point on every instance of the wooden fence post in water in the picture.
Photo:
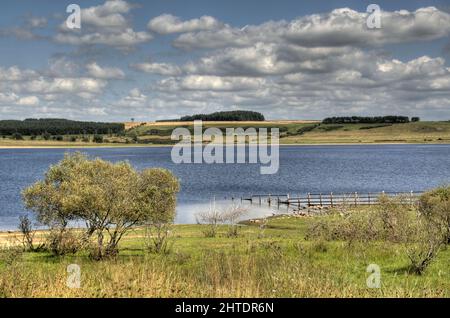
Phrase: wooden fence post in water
(270, 199)
(309, 199)
(356, 198)
(320, 196)
(331, 199)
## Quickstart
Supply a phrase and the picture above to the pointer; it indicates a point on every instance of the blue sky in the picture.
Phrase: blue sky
(163, 59)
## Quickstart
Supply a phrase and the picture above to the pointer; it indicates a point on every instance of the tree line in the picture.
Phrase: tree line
(57, 127)
(369, 120)
(236, 115)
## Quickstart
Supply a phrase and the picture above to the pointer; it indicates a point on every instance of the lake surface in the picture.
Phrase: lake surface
(361, 168)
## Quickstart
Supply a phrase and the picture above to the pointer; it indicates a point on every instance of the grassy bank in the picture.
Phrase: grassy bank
(274, 261)
(291, 133)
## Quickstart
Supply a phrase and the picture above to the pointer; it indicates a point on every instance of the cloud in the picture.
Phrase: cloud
(28, 101)
(105, 24)
(127, 38)
(14, 73)
(97, 71)
(37, 22)
(107, 15)
(167, 24)
(158, 68)
(340, 27)
(211, 83)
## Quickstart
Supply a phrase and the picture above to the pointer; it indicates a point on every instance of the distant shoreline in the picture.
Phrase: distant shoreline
(169, 145)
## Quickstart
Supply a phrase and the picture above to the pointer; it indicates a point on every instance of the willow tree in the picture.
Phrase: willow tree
(110, 198)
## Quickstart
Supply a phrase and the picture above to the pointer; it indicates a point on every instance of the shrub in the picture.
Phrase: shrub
(46, 136)
(435, 206)
(10, 255)
(98, 139)
(157, 238)
(62, 242)
(216, 216)
(17, 136)
(423, 245)
(26, 228)
(110, 198)
(393, 219)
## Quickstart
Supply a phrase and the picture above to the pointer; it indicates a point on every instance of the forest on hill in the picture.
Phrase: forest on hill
(57, 127)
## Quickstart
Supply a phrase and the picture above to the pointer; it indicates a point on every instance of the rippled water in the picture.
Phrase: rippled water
(361, 168)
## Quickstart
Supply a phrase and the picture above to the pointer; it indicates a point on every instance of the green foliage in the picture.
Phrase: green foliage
(374, 127)
(393, 220)
(366, 120)
(17, 136)
(98, 139)
(237, 115)
(110, 198)
(57, 127)
(435, 206)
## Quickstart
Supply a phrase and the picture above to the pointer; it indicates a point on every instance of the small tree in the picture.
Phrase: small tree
(159, 212)
(415, 119)
(28, 233)
(110, 198)
(435, 207)
(17, 136)
(232, 215)
(216, 216)
(212, 218)
(98, 139)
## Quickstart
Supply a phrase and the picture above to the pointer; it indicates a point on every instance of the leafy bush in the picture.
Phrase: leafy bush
(17, 136)
(435, 206)
(26, 228)
(10, 255)
(110, 198)
(62, 242)
(394, 220)
(57, 127)
(98, 139)
(236, 115)
(366, 120)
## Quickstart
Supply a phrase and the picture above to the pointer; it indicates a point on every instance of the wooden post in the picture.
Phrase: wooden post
(356, 198)
(411, 198)
(331, 199)
(369, 197)
(260, 198)
(270, 199)
(321, 200)
(309, 199)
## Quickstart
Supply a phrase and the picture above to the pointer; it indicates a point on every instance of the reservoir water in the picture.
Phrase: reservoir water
(338, 169)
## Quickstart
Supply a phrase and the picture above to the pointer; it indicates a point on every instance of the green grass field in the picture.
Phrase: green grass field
(291, 133)
(276, 261)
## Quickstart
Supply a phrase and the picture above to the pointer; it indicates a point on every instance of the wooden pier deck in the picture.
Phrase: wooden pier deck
(328, 199)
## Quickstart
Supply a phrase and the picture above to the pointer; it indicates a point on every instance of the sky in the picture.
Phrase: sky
(162, 59)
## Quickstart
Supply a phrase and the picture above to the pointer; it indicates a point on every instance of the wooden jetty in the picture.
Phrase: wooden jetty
(328, 199)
